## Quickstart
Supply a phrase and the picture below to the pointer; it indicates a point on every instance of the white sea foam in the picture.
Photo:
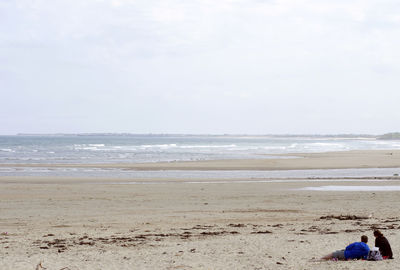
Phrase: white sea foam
(385, 144)
(293, 145)
(275, 147)
(208, 146)
(86, 147)
(158, 145)
(7, 150)
(329, 145)
(353, 188)
(173, 145)
(326, 146)
(310, 147)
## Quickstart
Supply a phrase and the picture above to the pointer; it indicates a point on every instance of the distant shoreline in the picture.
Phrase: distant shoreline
(203, 135)
(386, 136)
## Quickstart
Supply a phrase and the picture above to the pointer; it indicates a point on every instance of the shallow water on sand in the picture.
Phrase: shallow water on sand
(237, 174)
(353, 188)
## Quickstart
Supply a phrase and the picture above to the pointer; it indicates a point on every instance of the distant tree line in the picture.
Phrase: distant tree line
(390, 136)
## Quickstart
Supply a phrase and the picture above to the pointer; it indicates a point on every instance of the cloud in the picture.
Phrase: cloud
(202, 57)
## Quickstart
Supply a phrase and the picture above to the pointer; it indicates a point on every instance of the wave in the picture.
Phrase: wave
(90, 146)
(158, 145)
(173, 145)
(208, 146)
(7, 150)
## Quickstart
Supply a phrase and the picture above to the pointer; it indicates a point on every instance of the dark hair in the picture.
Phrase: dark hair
(364, 239)
(378, 233)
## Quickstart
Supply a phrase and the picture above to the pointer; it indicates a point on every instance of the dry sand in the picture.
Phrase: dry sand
(95, 224)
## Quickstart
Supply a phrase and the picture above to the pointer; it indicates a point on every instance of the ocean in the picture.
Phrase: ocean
(127, 148)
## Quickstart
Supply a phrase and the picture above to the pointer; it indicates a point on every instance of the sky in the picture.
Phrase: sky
(200, 66)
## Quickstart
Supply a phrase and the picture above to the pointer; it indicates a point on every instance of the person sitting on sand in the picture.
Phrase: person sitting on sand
(356, 250)
(383, 244)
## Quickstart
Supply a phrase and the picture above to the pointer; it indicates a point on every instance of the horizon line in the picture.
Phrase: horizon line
(194, 134)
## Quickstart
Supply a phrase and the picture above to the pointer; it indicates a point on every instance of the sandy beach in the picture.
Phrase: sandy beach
(198, 135)
(88, 223)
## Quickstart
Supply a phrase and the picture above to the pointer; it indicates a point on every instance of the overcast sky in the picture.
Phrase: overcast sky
(199, 66)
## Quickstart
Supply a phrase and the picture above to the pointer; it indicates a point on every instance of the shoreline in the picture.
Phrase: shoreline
(206, 180)
(303, 161)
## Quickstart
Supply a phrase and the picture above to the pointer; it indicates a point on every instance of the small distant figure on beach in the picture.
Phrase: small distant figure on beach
(383, 244)
(356, 250)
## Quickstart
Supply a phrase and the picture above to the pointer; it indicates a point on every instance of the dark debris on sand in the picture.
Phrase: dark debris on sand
(134, 239)
(344, 217)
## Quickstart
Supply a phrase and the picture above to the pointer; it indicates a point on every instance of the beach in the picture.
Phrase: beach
(163, 223)
(198, 135)
(290, 161)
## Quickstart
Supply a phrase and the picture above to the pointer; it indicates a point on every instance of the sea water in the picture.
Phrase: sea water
(353, 188)
(128, 148)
